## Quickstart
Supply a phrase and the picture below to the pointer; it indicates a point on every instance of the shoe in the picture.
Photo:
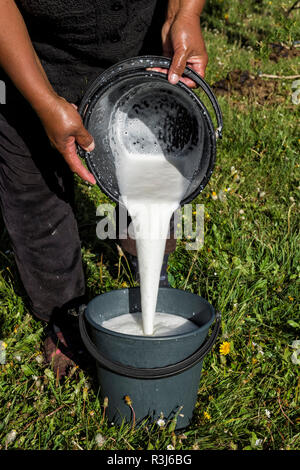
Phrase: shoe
(63, 348)
(134, 265)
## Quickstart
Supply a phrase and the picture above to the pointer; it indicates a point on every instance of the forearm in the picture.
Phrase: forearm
(189, 7)
(18, 57)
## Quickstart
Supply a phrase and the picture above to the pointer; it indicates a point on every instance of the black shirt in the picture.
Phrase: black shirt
(77, 39)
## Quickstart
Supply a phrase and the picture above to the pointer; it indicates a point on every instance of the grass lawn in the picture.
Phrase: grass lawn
(248, 269)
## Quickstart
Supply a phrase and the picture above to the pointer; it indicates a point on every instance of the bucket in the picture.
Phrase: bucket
(160, 374)
(130, 108)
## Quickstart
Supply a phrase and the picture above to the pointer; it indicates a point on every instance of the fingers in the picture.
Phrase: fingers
(187, 81)
(70, 155)
(199, 64)
(177, 66)
(85, 140)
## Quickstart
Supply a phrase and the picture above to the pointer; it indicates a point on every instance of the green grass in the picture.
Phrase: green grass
(248, 269)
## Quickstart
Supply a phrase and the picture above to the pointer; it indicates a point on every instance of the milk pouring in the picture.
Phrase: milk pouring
(150, 202)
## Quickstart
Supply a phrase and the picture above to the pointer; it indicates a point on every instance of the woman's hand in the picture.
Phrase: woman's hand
(64, 128)
(182, 40)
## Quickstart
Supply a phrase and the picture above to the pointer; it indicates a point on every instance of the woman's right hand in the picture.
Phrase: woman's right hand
(64, 127)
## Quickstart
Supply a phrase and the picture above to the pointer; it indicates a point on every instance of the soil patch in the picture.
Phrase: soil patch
(280, 51)
(256, 89)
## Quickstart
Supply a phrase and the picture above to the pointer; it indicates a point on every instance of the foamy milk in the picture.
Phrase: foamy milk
(165, 324)
(151, 189)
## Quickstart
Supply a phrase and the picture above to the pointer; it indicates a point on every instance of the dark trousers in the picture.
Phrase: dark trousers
(36, 196)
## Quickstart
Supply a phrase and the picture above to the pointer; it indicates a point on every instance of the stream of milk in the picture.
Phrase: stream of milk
(151, 189)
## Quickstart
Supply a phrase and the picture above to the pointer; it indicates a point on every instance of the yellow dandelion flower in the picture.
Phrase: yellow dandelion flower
(291, 298)
(128, 400)
(225, 348)
(207, 415)
(124, 284)
(214, 195)
(3, 345)
(226, 16)
(105, 402)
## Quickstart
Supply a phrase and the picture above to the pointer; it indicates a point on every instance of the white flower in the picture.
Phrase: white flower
(161, 422)
(295, 358)
(39, 359)
(170, 447)
(100, 439)
(11, 436)
(258, 442)
(296, 93)
(222, 196)
(268, 413)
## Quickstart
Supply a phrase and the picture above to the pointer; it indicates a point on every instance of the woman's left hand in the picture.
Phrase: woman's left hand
(183, 41)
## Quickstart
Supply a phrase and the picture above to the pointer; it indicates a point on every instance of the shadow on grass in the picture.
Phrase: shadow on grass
(215, 15)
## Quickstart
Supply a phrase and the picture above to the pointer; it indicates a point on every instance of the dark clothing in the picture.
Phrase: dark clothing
(75, 40)
(36, 192)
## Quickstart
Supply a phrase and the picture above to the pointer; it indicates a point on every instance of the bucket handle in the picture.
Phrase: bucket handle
(153, 373)
(149, 61)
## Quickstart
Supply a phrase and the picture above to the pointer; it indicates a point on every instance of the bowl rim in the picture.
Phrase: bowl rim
(93, 97)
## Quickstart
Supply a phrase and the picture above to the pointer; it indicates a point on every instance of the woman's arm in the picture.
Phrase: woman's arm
(61, 121)
(182, 38)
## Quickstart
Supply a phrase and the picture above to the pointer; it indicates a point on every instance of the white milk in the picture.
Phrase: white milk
(165, 324)
(151, 189)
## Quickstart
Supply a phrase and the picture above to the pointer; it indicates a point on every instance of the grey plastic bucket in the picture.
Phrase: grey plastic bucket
(159, 374)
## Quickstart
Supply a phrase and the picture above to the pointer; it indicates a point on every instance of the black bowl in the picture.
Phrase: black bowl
(134, 109)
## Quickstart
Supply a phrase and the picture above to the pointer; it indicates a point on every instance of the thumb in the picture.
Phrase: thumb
(70, 155)
(84, 139)
(177, 66)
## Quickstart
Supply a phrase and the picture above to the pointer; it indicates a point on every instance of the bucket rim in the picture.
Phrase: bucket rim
(106, 331)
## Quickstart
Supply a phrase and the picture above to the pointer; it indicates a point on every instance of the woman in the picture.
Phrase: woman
(50, 50)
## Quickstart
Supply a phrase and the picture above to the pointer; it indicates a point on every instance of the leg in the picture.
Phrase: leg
(36, 199)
